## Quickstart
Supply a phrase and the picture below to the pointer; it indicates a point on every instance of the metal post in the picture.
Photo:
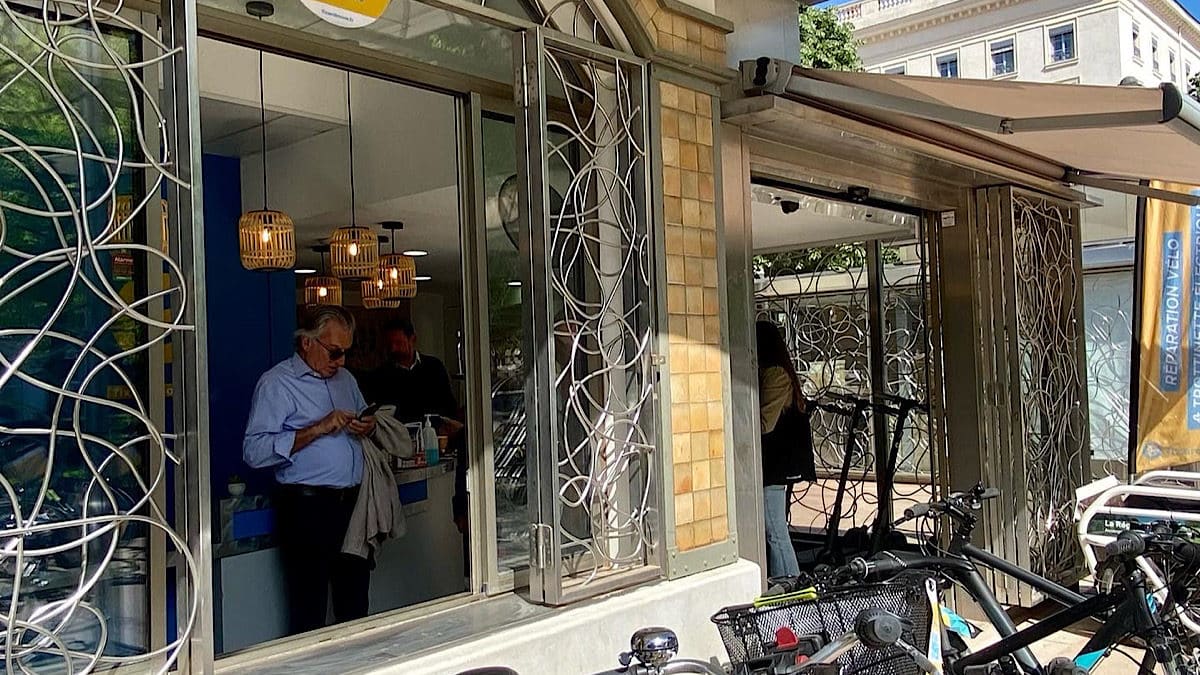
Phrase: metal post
(1135, 363)
(182, 105)
(878, 351)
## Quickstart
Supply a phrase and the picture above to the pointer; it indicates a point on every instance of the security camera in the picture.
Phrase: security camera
(789, 206)
(859, 194)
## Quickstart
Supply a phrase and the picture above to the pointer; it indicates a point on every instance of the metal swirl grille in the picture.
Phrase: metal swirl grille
(601, 297)
(1108, 334)
(1051, 382)
(76, 326)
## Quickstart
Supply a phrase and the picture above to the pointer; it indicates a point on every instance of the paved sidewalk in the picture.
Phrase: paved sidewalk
(1066, 644)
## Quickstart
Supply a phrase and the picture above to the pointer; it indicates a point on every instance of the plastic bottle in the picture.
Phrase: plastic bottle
(429, 442)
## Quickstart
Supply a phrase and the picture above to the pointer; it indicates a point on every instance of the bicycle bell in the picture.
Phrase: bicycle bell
(654, 647)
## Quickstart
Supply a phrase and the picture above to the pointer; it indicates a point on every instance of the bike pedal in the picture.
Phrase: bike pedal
(1064, 666)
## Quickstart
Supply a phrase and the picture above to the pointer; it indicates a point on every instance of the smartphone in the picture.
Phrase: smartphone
(370, 410)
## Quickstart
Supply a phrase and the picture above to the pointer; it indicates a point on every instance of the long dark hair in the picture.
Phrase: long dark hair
(773, 353)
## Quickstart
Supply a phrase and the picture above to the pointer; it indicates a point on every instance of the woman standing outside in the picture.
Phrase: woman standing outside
(786, 444)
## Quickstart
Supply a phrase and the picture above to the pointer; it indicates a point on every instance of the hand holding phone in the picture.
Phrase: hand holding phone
(369, 411)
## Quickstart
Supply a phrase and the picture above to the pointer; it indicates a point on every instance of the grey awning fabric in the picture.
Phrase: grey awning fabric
(1092, 133)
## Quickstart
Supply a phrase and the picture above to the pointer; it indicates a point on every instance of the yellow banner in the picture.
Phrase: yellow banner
(1168, 425)
(348, 13)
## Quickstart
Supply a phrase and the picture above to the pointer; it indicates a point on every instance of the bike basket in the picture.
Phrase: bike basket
(749, 632)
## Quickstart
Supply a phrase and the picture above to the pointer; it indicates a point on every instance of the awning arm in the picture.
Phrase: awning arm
(776, 76)
(1132, 189)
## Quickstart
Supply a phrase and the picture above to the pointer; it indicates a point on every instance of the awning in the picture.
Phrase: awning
(1107, 137)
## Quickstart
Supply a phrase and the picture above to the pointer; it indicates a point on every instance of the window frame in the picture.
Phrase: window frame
(896, 69)
(946, 57)
(1172, 62)
(1136, 34)
(1155, 66)
(991, 52)
(1053, 30)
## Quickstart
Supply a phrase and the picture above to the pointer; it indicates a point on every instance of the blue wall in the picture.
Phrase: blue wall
(251, 317)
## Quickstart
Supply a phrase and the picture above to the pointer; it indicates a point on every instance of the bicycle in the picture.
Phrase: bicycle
(1136, 614)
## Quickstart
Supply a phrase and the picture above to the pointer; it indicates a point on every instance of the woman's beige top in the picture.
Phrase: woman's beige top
(774, 395)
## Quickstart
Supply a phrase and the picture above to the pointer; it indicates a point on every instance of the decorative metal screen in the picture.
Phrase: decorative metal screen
(589, 298)
(82, 451)
(1028, 288)
(821, 298)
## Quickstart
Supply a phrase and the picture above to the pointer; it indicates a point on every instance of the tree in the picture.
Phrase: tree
(826, 41)
(1193, 87)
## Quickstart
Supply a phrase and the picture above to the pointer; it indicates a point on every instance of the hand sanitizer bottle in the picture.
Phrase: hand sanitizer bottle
(429, 442)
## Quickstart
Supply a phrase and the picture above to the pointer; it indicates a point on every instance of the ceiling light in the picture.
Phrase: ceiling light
(266, 237)
(514, 283)
(306, 270)
(422, 277)
(416, 253)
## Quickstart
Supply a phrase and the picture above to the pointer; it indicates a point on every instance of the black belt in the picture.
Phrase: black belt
(320, 491)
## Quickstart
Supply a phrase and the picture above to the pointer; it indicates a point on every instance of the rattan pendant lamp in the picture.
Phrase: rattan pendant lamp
(372, 291)
(397, 272)
(353, 250)
(323, 289)
(266, 238)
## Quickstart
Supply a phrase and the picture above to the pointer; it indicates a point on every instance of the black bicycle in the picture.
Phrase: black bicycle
(1126, 609)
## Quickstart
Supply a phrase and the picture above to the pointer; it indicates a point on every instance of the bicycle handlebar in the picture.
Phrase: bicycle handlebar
(1127, 545)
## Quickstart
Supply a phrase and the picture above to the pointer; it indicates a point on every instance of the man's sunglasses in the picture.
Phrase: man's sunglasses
(335, 353)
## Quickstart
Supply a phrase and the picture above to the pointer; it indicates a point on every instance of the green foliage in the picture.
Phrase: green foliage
(1193, 86)
(826, 41)
(838, 257)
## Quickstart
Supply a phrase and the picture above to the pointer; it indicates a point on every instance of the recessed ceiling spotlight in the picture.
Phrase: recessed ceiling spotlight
(514, 283)
(416, 253)
(422, 277)
(305, 270)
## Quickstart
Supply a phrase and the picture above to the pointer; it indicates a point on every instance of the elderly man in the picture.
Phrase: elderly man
(305, 425)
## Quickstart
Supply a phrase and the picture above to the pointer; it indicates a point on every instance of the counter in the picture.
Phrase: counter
(426, 563)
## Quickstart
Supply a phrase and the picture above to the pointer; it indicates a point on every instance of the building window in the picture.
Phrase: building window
(1062, 43)
(1004, 57)
(1171, 66)
(895, 70)
(1154, 54)
(1137, 42)
(1187, 73)
(947, 65)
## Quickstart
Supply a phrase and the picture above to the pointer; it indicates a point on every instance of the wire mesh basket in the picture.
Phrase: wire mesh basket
(749, 632)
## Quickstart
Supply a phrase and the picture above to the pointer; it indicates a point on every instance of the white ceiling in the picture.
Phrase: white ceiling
(819, 221)
(405, 158)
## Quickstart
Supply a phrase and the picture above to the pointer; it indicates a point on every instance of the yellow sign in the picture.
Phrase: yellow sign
(1168, 424)
(348, 13)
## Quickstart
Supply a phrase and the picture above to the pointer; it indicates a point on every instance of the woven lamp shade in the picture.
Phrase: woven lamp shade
(119, 211)
(354, 253)
(322, 291)
(398, 273)
(267, 240)
(371, 299)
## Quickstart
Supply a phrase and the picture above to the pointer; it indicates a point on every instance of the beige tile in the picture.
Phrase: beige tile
(704, 131)
(677, 323)
(683, 481)
(680, 388)
(665, 39)
(695, 329)
(670, 123)
(671, 150)
(687, 127)
(720, 528)
(712, 360)
(698, 386)
(707, 186)
(694, 32)
(717, 472)
(685, 539)
(698, 417)
(711, 303)
(674, 238)
(693, 51)
(703, 533)
(716, 415)
(701, 506)
(710, 275)
(673, 210)
(676, 297)
(691, 213)
(687, 100)
(693, 275)
(681, 420)
(700, 475)
(712, 330)
(672, 182)
(669, 94)
(708, 216)
(706, 162)
(714, 386)
(697, 358)
(708, 240)
(681, 26)
(716, 444)
(714, 57)
(683, 509)
(689, 184)
(718, 502)
(681, 447)
(712, 38)
(675, 269)
(695, 299)
(699, 445)
(689, 156)
(691, 243)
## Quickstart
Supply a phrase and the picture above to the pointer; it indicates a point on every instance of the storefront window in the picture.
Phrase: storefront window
(74, 385)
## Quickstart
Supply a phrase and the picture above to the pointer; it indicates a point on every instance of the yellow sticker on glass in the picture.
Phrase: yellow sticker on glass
(348, 13)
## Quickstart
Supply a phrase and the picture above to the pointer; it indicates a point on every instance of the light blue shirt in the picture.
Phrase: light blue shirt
(288, 398)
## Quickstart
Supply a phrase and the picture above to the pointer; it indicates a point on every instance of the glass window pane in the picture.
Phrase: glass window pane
(97, 465)
(948, 66)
